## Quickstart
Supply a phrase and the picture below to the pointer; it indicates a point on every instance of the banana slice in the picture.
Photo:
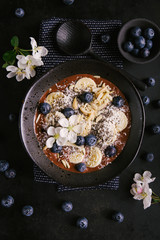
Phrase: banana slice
(53, 96)
(122, 121)
(84, 83)
(95, 157)
(76, 157)
(86, 128)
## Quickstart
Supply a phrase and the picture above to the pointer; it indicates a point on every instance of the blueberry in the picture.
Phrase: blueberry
(155, 129)
(4, 165)
(149, 33)
(110, 151)
(80, 141)
(19, 12)
(135, 52)
(81, 167)
(145, 52)
(56, 148)
(7, 201)
(27, 210)
(67, 206)
(128, 46)
(12, 117)
(10, 173)
(149, 44)
(90, 140)
(86, 97)
(68, 2)
(68, 112)
(135, 32)
(105, 38)
(150, 82)
(118, 217)
(44, 108)
(149, 157)
(82, 222)
(145, 100)
(139, 42)
(118, 101)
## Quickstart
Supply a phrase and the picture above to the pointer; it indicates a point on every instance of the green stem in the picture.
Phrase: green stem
(24, 50)
(21, 52)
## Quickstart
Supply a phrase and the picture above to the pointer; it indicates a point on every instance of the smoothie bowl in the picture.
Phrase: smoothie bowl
(82, 123)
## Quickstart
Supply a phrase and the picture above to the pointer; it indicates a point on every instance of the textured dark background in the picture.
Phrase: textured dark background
(48, 221)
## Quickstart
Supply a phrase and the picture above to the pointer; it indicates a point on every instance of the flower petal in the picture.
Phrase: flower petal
(64, 133)
(11, 68)
(20, 76)
(72, 137)
(147, 201)
(77, 128)
(61, 141)
(50, 141)
(73, 120)
(43, 51)
(63, 122)
(57, 130)
(137, 177)
(51, 131)
(33, 43)
(11, 74)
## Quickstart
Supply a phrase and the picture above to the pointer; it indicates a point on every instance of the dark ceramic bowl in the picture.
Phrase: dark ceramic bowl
(123, 36)
(131, 148)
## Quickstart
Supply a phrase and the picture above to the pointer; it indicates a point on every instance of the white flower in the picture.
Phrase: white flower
(29, 63)
(38, 52)
(70, 128)
(20, 73)
(54, 132)
(142, 191)
(146, 178)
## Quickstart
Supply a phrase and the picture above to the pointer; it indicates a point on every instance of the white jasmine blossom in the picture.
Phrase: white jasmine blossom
(55, 137)
(20, 73)
(145, 178)
(70, 128)
(38, 52)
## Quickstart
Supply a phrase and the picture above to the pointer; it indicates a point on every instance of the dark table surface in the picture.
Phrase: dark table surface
(48, 221)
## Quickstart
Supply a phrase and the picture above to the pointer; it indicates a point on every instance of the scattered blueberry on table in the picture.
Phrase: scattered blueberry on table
(118, 101)
(44, 108)
(67, 206)
(149, 157)
(82, 222)
(105, 38)
(118, 217)
(90, 140)
(68, 112)
(12, 117)
(19, 12)
(68, 2)
(145, 100)
(56, 148)
(110, 151)
(157, 103)
(4, 165)
(150, 81)
(80, 141)
(7, 201)
(86, 97)
(10, 173)
(27, 210)
(155, 129)
(81, 167)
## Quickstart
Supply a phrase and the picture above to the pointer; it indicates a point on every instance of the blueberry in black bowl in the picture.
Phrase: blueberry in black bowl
(80, 141)
(128, 46)
(139, 42)
(86, 97)
(149, 44)
(110, 151)
(7, 201)
(145, 52)
(118, 101)
(145, 100)
(135, 32)
(67, 206)
(68, 2)
(44, 108)
(27, 210)
(82, 222)
(149, 33)
(135, 52)
(56, 148)
(81, 167)
(90, 140)
(68, 112)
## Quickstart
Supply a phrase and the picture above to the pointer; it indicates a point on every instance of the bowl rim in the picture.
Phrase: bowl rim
(128, 56)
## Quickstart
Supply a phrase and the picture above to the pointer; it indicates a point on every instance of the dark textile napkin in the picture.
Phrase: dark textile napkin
(109, 51)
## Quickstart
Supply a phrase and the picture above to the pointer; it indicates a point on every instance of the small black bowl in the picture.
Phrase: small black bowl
(123, 36)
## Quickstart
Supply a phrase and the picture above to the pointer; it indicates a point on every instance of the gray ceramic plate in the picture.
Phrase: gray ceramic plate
(27, 119)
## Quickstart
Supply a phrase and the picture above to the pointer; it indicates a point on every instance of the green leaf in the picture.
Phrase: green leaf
(15, 41)
(9, 56)
(5, 65)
